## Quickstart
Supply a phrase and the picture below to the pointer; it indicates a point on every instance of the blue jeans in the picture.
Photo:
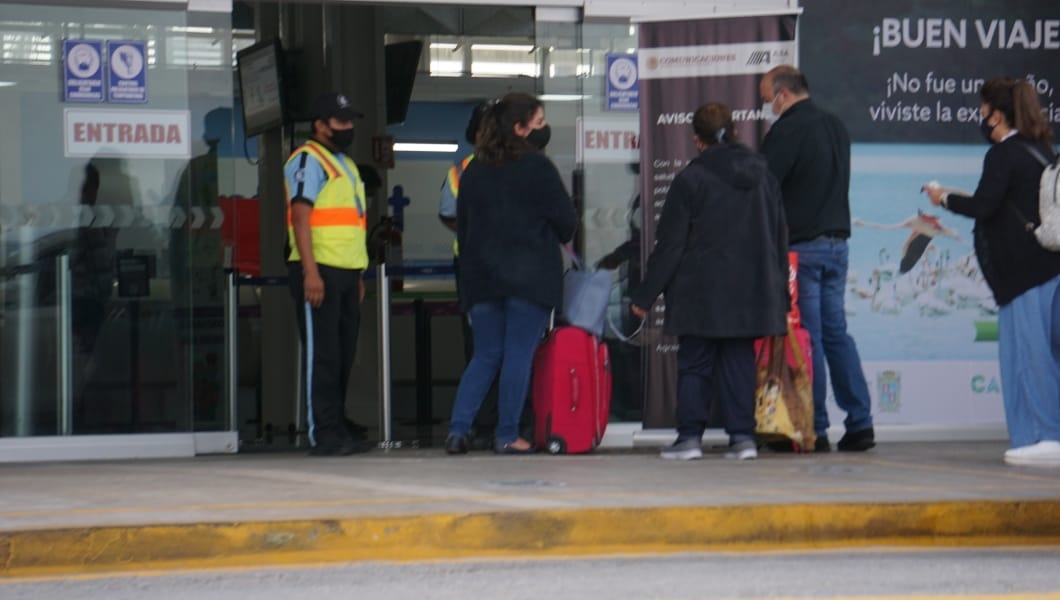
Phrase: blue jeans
(1029, 352)
(506, 333)
(822, 286)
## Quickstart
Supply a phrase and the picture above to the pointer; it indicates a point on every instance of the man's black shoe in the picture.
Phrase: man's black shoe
(822, 444)
(857, 441)
(344, 449)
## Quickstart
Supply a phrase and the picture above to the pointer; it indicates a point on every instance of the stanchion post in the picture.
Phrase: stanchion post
(382, 283)
(65, 334)
(231, 376)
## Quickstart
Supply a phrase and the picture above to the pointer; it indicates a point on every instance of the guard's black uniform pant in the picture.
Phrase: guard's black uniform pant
(329, 339)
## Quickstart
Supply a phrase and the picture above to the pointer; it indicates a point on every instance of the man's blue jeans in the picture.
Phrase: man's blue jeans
(506, 333)
(822, 285)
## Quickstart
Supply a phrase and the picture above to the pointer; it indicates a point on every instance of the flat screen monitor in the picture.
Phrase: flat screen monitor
(402, 63)
(261, 87)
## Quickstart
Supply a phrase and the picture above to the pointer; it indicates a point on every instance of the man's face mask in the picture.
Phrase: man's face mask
(539, 138)
(768, 113)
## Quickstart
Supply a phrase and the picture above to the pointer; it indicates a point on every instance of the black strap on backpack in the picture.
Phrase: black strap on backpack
(1045, 162)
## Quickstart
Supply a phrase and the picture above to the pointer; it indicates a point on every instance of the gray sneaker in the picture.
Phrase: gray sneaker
(746, 450)
(688, 449)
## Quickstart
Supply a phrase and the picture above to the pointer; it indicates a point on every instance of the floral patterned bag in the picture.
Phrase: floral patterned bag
(784, 391)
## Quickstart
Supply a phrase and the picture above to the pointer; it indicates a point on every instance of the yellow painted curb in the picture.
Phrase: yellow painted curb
(526, 533)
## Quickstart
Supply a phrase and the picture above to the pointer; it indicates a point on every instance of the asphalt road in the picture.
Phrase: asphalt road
(996, 573)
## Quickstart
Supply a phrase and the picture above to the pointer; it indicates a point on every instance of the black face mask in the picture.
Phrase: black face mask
(539, 138)
(341, 138)
(986, 129)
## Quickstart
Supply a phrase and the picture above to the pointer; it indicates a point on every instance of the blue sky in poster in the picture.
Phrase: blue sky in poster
(930, 311)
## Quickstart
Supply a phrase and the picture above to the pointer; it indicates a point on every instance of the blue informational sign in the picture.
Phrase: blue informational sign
(82, 70)
(127, 81)
(623, 85)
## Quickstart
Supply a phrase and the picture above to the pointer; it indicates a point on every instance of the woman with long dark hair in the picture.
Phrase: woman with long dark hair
(1024, 277)
(513, 214)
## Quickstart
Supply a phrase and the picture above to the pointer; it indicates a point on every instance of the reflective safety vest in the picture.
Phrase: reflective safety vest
(452, 180)
(337, 222)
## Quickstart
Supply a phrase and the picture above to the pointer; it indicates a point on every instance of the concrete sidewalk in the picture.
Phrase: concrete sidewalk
(421, 504)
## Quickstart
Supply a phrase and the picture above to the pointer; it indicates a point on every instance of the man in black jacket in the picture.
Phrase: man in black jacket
(809, 152)
(721, 257)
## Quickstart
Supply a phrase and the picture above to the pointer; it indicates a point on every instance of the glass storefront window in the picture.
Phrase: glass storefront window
(110, 243)
(610, 168)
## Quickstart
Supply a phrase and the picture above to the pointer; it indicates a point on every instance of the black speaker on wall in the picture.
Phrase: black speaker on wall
(402, 62)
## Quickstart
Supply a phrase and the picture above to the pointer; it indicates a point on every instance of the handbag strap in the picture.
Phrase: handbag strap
(1028, 225)
(621, 336)
(796, 349)
(575, 261)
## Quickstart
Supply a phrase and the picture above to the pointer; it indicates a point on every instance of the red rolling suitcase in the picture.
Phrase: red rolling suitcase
(571, 391)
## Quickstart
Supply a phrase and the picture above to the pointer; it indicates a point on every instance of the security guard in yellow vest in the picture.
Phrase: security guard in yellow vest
(326, 232)
(451, 184)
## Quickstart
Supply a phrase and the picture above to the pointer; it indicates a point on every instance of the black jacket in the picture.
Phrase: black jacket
(510, 221)
(1010, 256)
(721, 253)
(809, 153)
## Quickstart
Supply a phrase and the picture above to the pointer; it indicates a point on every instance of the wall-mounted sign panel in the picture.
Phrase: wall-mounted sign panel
(83, 71)
(127, 79)
(95, 132)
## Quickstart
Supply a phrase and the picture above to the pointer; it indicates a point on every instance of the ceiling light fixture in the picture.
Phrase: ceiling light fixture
(439, 147)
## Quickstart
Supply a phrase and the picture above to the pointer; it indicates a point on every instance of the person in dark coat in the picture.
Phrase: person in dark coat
(1024, 276)
(721, 258)
(512, 216)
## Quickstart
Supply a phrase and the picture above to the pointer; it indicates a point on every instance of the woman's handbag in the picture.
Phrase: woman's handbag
(784, 392)
(586, 294)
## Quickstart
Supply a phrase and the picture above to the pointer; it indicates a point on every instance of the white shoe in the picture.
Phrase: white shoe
(1046, 453)
(742, 451)
(683, 450)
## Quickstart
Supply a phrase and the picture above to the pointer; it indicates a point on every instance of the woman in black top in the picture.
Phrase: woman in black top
(512, 217)
(1024, 277)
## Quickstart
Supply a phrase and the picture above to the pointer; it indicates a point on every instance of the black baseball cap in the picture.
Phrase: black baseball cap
(334, 105)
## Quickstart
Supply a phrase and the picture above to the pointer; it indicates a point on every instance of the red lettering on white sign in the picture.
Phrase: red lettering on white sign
(126, 133)
(611, 140)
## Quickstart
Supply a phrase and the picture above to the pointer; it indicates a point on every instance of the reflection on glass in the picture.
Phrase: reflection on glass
(92, 276)
(144, 355)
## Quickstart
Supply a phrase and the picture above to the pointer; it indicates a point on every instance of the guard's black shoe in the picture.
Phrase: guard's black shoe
(857, 441)
(344, 449)
(456, 444)
(356, 430)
